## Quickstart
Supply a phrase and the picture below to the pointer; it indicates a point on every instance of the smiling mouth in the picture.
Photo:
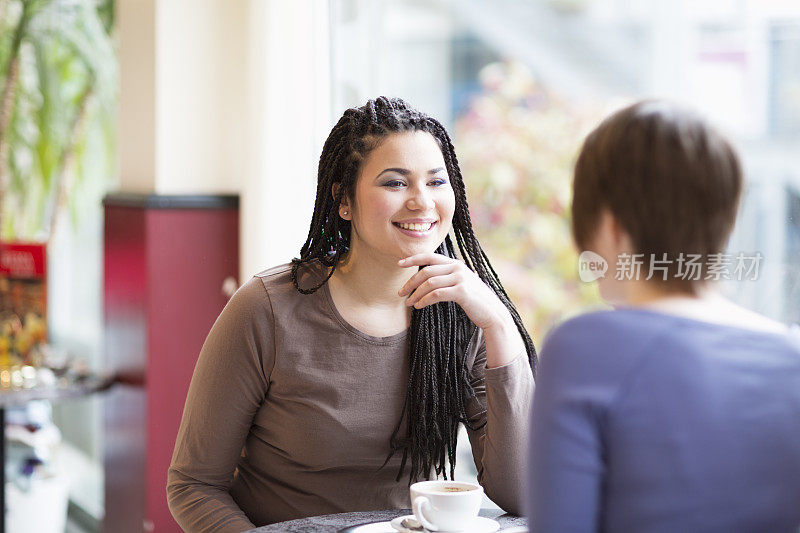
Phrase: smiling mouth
(415, 228)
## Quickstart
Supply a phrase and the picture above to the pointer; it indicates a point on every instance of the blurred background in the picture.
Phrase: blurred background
(191, 107)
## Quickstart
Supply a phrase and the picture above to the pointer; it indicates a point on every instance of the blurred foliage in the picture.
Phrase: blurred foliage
(60, 140)
(516, 144)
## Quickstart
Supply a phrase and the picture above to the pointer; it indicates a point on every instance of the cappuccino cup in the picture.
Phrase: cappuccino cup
(446, 505)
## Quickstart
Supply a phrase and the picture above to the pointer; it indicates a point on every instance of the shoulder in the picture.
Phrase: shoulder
(250, 300)
(794, 335)
(601, 344)
(604, 329)
(280, 278)
(254, 297)
(277, 276)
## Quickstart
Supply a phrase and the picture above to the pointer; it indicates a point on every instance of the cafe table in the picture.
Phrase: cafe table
(347, 522)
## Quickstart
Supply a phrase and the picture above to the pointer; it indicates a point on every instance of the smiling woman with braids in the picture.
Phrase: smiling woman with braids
(331, 383)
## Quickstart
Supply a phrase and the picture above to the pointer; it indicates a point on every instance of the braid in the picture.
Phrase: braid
(441, 335)
(465, 236)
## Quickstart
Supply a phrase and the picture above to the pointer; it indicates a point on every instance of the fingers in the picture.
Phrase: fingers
(445, 294)
(423, 275)
(434, 288)
(425, 259)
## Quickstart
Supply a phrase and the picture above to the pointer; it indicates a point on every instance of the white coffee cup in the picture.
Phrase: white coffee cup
(446, 505)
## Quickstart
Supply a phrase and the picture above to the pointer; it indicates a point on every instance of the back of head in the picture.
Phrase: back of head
(671, 181)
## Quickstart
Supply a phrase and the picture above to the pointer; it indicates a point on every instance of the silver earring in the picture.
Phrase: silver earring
(344, 212)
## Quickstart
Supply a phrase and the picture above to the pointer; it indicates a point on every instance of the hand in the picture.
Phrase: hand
(445, 279)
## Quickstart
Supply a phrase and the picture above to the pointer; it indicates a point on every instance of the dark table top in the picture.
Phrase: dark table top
(334, 522)
(61, 389)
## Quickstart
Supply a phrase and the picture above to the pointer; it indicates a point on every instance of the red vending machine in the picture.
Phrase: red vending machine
(171, 263)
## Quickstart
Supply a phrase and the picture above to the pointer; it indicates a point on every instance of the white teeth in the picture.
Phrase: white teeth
(416, 227)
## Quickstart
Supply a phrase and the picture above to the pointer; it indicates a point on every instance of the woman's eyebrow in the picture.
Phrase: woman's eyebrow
(406, 172)
(401, 171)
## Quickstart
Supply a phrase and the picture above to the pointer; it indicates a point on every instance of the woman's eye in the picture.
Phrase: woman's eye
(438, 183)
(394, 183)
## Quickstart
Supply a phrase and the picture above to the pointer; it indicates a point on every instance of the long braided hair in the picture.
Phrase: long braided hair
(440, 334)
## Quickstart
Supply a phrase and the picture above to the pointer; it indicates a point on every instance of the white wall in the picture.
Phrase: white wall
(137, 126)
(228, 96)
(183, 95)
(288, 122)
(201, 104)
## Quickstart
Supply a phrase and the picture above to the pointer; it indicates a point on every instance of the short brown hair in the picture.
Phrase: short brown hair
(672, 182)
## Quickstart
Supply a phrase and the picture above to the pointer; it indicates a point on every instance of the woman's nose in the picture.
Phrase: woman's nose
(420, 199)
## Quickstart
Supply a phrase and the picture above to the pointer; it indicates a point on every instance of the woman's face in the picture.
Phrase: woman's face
(404, 201)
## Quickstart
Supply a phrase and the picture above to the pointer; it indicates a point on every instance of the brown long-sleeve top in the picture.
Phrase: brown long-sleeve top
(290, 410)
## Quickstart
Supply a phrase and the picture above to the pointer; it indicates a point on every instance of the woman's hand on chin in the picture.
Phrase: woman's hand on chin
(443, 279)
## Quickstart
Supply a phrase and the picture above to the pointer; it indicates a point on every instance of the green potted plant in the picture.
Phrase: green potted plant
(58, 92)
(59, 85)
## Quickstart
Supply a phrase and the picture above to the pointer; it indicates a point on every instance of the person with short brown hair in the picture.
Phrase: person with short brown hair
(671, 180)
(678, 411)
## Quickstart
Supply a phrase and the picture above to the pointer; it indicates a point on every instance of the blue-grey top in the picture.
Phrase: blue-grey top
(644, 421)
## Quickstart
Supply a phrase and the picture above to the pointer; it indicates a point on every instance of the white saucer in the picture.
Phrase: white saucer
(480, 525)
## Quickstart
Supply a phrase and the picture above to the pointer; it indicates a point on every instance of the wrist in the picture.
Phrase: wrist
(502, 325)
(503, 343)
